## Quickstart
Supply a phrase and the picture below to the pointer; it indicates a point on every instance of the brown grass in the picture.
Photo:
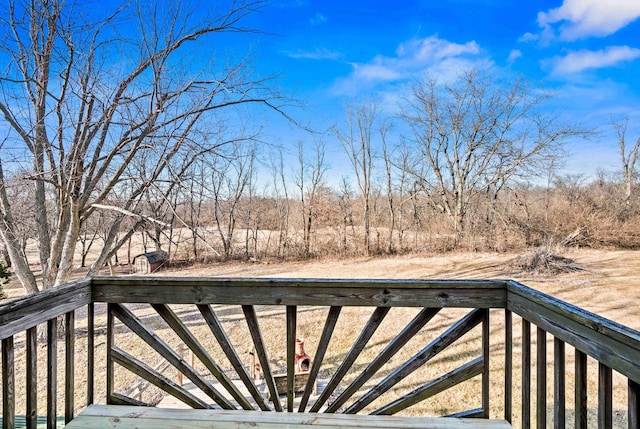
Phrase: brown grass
(606, 286)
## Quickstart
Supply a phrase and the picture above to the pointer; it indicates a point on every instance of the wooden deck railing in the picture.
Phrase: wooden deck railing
(379, 346)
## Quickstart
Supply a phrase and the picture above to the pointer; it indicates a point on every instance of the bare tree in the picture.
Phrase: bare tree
(628, 156)
(476, 134)
(308, 180)
(357, 143)
(82, 118)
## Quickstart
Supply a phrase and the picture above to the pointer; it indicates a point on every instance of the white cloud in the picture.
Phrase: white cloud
(318, 19)
(439, 58)
(577, 61)
(578, 19)
(514, 55)
(316, 54)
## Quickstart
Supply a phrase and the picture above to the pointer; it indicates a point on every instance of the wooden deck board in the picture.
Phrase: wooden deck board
(125, 417)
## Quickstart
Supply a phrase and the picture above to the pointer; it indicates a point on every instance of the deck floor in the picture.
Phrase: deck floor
(129, 417)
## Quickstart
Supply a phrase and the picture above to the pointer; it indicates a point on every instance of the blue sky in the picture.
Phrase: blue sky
(328, 53)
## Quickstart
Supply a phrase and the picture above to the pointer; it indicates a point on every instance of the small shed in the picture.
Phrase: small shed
(149, 262)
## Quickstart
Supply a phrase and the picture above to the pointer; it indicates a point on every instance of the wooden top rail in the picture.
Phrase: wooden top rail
(314, 292)
(615, 345)
(129, 417)
(20, 314)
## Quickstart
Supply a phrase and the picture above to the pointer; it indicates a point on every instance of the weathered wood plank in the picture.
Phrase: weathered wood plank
(230, 351)
(197, 348)
(367, 332)
(291, 354)
(144, 371)
(8, 384)
(254, 329)
(605, 396)
(120, 399)
(125, 417)
(20, 314)
(69, 365)
(412, 328)
(314, 292)
(559, 384)
(581, 390)
(508, 365)
(167, 352)
(486, 348)
(90, 352)
(541, 379)
(323, 344)
(526, 374)
(473, 413)
(110, 345)
(633, 405)
(440, 384)
(608, 342)
(31, 415)
(52, 372)
(452, 334)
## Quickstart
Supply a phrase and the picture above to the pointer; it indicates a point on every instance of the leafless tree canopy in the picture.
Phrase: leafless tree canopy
(475, 134)
(82, 100)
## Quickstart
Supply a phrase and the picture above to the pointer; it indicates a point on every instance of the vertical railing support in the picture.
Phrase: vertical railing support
(581, 390)
(8, 385)
(32, 378)
(541, 379)
(52, 372)
(633, 405)
(486, 370)
(508, 365)
(110, 364)
(559, 396)
(90, 352)
(69, 373)
(526, 374)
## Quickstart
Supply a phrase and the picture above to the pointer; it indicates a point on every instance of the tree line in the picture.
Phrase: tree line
(96, 153)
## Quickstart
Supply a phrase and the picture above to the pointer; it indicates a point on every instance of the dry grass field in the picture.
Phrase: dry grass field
(607, 285)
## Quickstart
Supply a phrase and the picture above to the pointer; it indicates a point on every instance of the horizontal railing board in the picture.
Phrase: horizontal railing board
(379, 293)
(610, 343)
(584, 317)
(20, 314)
(123, 417)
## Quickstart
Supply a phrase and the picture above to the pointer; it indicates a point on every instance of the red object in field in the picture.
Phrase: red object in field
(302, 361)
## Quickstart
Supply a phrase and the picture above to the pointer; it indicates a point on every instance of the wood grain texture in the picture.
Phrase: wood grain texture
(581, 390)
(31, 415)
(440, 384)
(526, 374)
(90, 352)
(20, 314)
(8, 384)
(359, 344)
(230, 351)
(69, 365)
(323, 344)
(125, 417)
(612, 344)
(559, 384)
(541, 379)
(377, 293)
(198, 349)
(432, 349)
(633, 404)
(154, 377)
(52, 373)
(394, 346)
(261, 351)
(605, 394)
(508, 365)
(170, 355)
